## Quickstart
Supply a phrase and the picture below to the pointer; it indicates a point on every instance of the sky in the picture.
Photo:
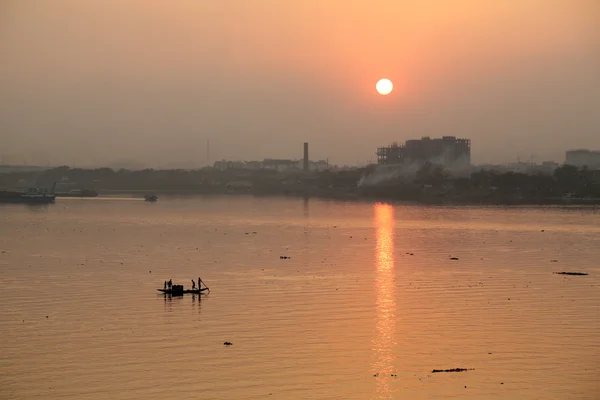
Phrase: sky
(103, 82)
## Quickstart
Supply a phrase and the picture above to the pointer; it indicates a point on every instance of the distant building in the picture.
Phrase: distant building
(252, 165)
(583, 158)
(520, 167)
(280, 165)
(273, 164)
(224, 165)
(220, 165)
(320, 165)
(447, 151)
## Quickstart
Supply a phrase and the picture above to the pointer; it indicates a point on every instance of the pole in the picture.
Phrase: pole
(204, 285)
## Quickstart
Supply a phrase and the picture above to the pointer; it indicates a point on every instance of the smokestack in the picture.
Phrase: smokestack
(305, 157)
(208, 152)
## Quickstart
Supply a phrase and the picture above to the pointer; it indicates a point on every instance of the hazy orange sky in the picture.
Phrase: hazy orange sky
(95, 81)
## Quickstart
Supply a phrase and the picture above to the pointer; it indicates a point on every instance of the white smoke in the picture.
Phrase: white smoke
(386, 173)
(406, 173)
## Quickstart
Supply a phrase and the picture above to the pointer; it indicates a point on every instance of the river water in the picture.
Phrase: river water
(367, 305)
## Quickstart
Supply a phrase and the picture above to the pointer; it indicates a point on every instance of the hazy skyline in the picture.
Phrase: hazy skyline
(93, 82)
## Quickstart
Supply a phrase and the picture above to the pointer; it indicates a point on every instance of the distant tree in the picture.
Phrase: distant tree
(510, 181)
(483, 178)
(567, 178)
(431, 174)
(463, 184)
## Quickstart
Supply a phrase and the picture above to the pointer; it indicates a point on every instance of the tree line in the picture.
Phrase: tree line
(565, 180)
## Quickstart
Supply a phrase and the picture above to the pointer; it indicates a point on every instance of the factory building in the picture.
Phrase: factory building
(447, 151)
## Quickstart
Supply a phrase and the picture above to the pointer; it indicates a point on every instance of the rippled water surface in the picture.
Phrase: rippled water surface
(369, 303)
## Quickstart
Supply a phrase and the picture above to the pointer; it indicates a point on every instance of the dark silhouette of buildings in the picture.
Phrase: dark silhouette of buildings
(447, 151)
(583, 158)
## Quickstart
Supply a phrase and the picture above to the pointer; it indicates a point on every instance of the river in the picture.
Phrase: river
(368, 303)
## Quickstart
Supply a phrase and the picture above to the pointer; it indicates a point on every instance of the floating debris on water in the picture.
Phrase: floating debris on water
(452, 370)
(227, 343)
(571, 273)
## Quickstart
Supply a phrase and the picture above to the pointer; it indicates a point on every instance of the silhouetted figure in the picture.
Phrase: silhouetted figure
(170, 284)
(165, 285)
(193, 284)
(199, 283)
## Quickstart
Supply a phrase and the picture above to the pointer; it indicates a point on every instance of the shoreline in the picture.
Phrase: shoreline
(365, 197)
(568, 185)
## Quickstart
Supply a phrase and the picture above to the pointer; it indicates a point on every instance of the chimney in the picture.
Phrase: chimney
(305, 157)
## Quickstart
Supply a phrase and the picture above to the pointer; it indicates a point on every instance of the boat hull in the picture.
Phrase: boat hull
(18, 198)
(38, 200)
(188, 291)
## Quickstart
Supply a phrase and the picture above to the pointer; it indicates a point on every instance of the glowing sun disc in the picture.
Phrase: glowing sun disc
(384, 86)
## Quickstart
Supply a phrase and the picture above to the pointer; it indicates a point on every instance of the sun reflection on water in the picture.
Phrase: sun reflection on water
(383, 341)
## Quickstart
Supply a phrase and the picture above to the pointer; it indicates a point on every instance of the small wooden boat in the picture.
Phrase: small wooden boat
(186, 291)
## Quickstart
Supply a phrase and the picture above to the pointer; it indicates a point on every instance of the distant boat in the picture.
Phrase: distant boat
(182, 292)
(34, 195)
(150, 197)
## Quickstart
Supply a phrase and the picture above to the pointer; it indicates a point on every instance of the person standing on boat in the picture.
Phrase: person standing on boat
(165, 285)
(170, 284)
(199, 283)
(193, 284)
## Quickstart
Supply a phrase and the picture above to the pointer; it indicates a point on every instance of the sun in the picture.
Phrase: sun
(384, 86)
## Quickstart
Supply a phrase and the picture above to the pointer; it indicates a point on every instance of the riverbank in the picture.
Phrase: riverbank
(428, 185)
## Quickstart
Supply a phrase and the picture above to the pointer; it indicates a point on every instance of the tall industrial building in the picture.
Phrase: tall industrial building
(583, 158)
(447, 151)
